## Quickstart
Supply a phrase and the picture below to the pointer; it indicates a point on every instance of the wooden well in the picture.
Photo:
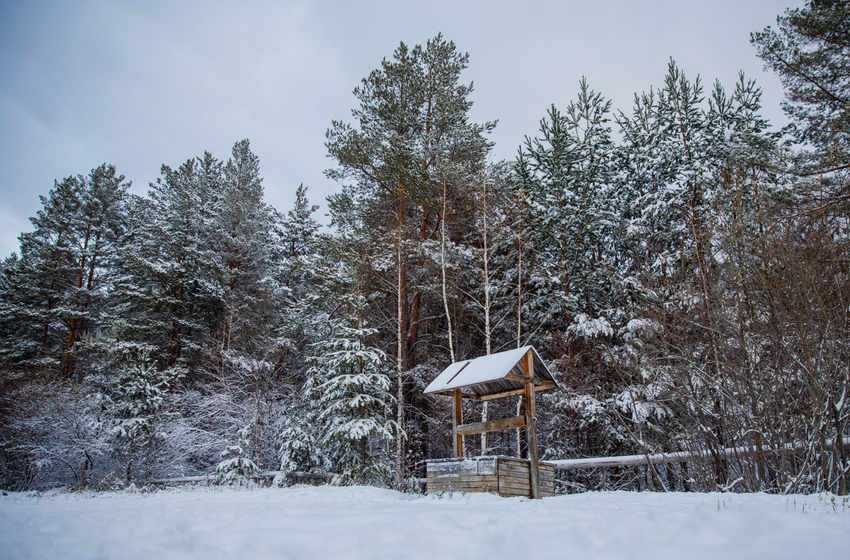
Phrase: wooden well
(507, 476)
(494, 376)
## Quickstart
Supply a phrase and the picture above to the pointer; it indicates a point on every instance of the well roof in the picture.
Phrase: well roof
(492, 376)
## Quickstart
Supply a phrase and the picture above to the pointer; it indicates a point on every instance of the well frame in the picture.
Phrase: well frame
(490, 377)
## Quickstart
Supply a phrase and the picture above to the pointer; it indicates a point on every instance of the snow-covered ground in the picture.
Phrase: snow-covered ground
(329, 522)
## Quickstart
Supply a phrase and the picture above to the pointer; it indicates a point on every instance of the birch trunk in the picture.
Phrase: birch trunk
(443, 270)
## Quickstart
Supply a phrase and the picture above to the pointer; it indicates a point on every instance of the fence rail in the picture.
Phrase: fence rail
(675, 457)
(293, 476)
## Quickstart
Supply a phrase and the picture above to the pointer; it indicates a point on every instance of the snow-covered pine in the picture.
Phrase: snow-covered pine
(170, 277)
(297, 238)
(576, 296)
(355, 398)
(56, 291)
(236, 466)
(249, 248)
(300, 449)
(139, 398)
(566, 174)
(390, 167)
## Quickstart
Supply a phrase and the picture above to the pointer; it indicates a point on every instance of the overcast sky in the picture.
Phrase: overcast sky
(139, 84)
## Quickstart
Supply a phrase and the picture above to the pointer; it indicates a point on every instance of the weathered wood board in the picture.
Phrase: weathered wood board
(508, 476)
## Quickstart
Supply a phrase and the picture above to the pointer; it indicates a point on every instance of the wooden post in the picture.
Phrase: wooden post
(531, 426)
(457, 420)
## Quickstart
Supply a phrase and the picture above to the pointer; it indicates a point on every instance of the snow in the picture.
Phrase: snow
(365, 523)
(480, 370)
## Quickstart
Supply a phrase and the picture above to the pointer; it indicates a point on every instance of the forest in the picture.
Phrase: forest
(682, 267)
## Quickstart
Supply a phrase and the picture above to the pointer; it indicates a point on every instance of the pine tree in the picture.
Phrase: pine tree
(355, 398)
(810, 52)
(140, 396)
(171, 274)
(236, 465)
(298, 232)
(566, 175)
(56, 291)
(412, 122)
(300, 450)
(249, 250)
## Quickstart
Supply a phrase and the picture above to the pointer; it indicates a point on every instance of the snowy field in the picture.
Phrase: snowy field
(360, 523)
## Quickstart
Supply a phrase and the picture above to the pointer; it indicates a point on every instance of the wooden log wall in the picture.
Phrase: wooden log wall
(507, 476)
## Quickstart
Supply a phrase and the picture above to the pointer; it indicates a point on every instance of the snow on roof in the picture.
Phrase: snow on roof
(490, 369)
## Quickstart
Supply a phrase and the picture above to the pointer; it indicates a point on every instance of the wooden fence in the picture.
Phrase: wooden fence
(676, 457)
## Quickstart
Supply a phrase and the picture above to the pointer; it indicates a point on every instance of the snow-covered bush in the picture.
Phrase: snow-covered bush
(300, 450)
(137, 434)
(235, 466)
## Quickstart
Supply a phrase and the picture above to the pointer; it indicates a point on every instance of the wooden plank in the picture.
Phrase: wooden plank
(548, 385)
(531, 425)
(454, 474)
(514, 482)
(515, 479)
(457, 419)
(500, 395)
(453, 479)
(460, 474)
(463, 484)
(547, 480)
(490, 487)
(457, 474)
(513, 490)
(513, 462)
(539, 383)
(478, 465)
(464, 488)
(506, 490)
(515, 474)
(494, 489)
(513, 467)
(492, 426)
(541, 386)
(472, 478)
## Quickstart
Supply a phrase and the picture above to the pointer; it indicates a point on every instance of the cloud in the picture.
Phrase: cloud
(11, 226)
(141, 84)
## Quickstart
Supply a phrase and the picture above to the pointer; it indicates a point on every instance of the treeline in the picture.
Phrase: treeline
(686, 278)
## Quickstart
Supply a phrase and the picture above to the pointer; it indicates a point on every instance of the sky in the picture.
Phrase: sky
(142, 84)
